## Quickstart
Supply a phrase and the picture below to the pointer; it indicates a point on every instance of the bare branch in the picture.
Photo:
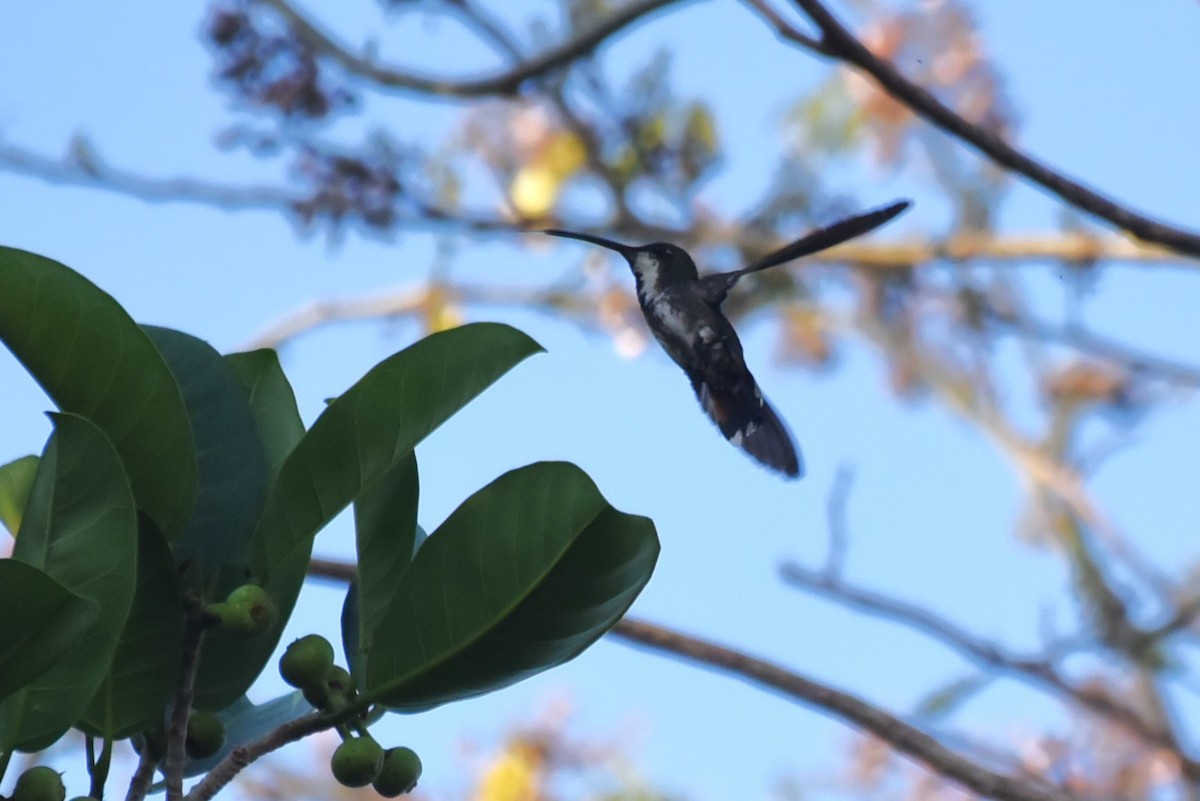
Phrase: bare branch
(838, 43)
(407, 302)
(786, 30)
(98, 175)
(900, 735)
(1067, 247)
(1084, 341)
(185, 692)
(503, 83)
(1038, 672)
(143, 776)
(243, 755)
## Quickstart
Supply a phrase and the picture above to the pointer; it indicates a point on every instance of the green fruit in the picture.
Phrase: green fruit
(356, 762)
(317, 697)
(341, 684)
(154, 740)
(247, 612)
(306, 662)
(205, 735)
(40, 784)
(399, 774)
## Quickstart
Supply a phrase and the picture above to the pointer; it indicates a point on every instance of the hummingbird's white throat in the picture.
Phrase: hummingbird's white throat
(645, 266)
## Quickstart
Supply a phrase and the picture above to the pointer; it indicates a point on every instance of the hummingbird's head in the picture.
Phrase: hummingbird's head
(655, 266)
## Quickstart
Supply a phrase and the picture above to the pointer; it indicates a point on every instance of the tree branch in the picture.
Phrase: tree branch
(503, 83)
(850, 709)
(838, 43)
(900, 735)
(185, 692)
(243, 755)
(1038, 672)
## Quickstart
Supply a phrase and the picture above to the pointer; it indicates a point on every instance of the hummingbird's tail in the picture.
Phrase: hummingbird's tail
(749, 422)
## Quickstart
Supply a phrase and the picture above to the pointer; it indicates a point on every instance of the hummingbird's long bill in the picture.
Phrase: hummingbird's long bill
(624, 250)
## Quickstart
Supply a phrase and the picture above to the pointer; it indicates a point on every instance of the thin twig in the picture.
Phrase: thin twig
(143, 777)
(1038, 672)
(838, 43)
(185, 693)
(835, 513)
(237, 759)
(506, 82)
(785, 30)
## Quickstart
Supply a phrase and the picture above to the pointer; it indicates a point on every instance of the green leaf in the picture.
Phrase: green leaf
(272, 401)
(141, 679)
(94, 361)
(15, 479)
(40, 620)
(385, 525)
(80, 528)
(232, 468)
(523, 576)
(363, 434)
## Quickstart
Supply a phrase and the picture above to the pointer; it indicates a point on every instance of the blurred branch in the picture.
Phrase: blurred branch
(1083, 341)
(838, 43)
(94, 173)
(850, 709)
(1067, 247)
(1040, 672)
(503, 83)
(786, 30)
(410, 301)
(900, 735)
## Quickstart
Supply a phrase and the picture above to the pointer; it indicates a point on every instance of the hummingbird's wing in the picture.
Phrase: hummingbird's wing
(716, 287)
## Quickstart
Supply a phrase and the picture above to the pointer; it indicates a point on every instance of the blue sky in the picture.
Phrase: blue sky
(1099, 94)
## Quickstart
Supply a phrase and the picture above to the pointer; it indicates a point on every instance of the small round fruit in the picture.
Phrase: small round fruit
(341, 683)
(205, 735)
(306, 662)
(155, 740)
(356, 762)
(317, 696)
(40, 784)
(399, 774)
(247, 612)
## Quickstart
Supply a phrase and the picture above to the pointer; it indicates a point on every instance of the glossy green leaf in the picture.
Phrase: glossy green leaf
(16, 478)
(40, 620)
(80, 528)
(385, 526)
(94, 361)
(231, 464)
(359, 437)
(523, 576)
(141, 678)
(272, 401)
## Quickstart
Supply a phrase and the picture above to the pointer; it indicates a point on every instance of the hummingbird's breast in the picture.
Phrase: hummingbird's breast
(680, 322)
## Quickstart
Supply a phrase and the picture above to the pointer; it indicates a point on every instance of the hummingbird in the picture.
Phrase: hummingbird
(683, 311)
